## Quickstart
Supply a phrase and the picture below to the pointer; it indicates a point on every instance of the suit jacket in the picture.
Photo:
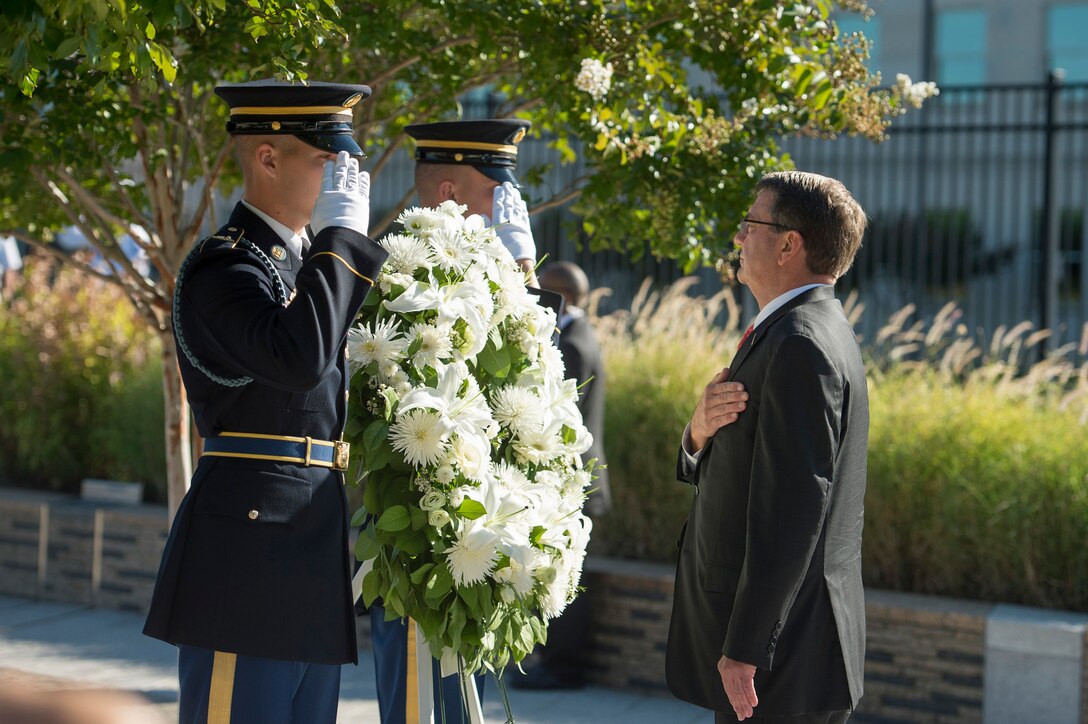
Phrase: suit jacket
(769, 571)
(277, 586)
(582, 360)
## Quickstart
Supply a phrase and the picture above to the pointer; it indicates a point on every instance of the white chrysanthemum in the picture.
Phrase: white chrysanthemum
(509, 476)
(518, 408)
(406, 253)
(594, 78)
(473, 554)
(551, 362)
(381, 344)
(524, 561)
(450, 250)
(537, 447)
(470, 453)
(421, 436)
(435, 345)
(419, 221)
(557, 594)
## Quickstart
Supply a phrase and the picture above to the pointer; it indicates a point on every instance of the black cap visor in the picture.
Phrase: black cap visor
(332, 142)
(499, 173)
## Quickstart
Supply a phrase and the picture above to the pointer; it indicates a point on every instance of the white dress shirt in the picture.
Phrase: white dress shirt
(293, 241)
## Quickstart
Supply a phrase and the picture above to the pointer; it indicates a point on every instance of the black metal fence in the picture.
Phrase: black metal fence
(979, 198)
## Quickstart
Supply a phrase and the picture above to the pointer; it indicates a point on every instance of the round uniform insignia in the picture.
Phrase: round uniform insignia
(353, 100)
(279, 253)
(518, 136)
(275, 125)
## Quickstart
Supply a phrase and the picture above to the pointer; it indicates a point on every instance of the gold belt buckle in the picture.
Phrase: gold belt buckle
(340, 453)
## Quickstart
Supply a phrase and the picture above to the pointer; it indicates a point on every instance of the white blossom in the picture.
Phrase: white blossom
(594, 78)
(915, 93)
(473, 554)
(421, 435)
(381, 344)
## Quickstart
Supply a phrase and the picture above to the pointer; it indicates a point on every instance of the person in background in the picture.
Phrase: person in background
(768, 616)
(560, 664)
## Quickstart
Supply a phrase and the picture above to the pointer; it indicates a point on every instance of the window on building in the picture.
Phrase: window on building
(1067, 41)
(961, 47)
(849, 24)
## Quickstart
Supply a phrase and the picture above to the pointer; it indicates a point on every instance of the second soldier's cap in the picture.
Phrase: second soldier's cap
(318, 113)
(490, 146)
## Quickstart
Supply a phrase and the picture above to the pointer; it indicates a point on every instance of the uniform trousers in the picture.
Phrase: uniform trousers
(223, 688)
(390, 643)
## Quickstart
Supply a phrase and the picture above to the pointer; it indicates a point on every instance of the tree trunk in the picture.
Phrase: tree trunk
(179, 460)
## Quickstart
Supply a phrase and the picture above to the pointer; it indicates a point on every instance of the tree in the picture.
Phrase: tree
(108, 119)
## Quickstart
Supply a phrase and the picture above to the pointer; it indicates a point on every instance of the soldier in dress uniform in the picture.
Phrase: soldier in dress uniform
(471, 163)
(254, 585)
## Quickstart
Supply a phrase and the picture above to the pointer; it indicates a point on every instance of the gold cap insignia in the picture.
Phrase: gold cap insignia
(518, 136)
(275, 125)
(279, 253)
(351, 101)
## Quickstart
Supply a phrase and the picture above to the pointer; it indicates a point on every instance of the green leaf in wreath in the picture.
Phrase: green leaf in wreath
(367, 545)
(359, 516)
(412, 542)
(372, 586)
(394, 519)
(440, 582)
(419, 518)
(470, 509)
(420, 573)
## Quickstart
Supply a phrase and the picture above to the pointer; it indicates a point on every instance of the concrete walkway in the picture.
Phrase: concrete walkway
(105, 648)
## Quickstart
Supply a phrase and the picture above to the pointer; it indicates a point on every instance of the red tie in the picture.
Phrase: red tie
(746, 333)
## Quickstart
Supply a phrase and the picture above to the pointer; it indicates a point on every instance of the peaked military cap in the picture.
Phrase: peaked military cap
(490, 146)
(318, 113)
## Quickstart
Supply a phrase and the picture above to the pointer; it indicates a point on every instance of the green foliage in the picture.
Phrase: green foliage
(82, 384)
(976, 492)
(672, 143)
(978, 461)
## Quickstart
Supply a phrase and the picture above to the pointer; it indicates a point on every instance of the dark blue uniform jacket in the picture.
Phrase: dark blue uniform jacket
(276, 584)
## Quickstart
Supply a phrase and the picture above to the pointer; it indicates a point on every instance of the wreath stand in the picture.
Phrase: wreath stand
(419, 697)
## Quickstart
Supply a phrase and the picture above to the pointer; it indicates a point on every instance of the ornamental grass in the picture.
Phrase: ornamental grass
(978, 454)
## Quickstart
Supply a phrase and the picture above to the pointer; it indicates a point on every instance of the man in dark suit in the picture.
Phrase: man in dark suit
(560, 664)
(769, 614)
(254, 586)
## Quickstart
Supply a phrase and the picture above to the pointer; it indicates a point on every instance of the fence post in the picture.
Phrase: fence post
(1048, 224)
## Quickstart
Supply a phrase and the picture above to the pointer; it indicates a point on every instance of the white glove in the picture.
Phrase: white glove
(512, 222)
(345, 197)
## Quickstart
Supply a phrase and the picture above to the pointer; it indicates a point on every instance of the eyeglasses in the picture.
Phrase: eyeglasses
(744, 223)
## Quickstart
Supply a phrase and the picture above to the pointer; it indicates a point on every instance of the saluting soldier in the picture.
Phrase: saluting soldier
(254, 586)
(473, 163)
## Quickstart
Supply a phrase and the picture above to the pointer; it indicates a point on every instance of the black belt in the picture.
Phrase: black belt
(280, 448)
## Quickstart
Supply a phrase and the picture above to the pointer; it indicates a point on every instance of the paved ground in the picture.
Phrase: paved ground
(105, 648)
